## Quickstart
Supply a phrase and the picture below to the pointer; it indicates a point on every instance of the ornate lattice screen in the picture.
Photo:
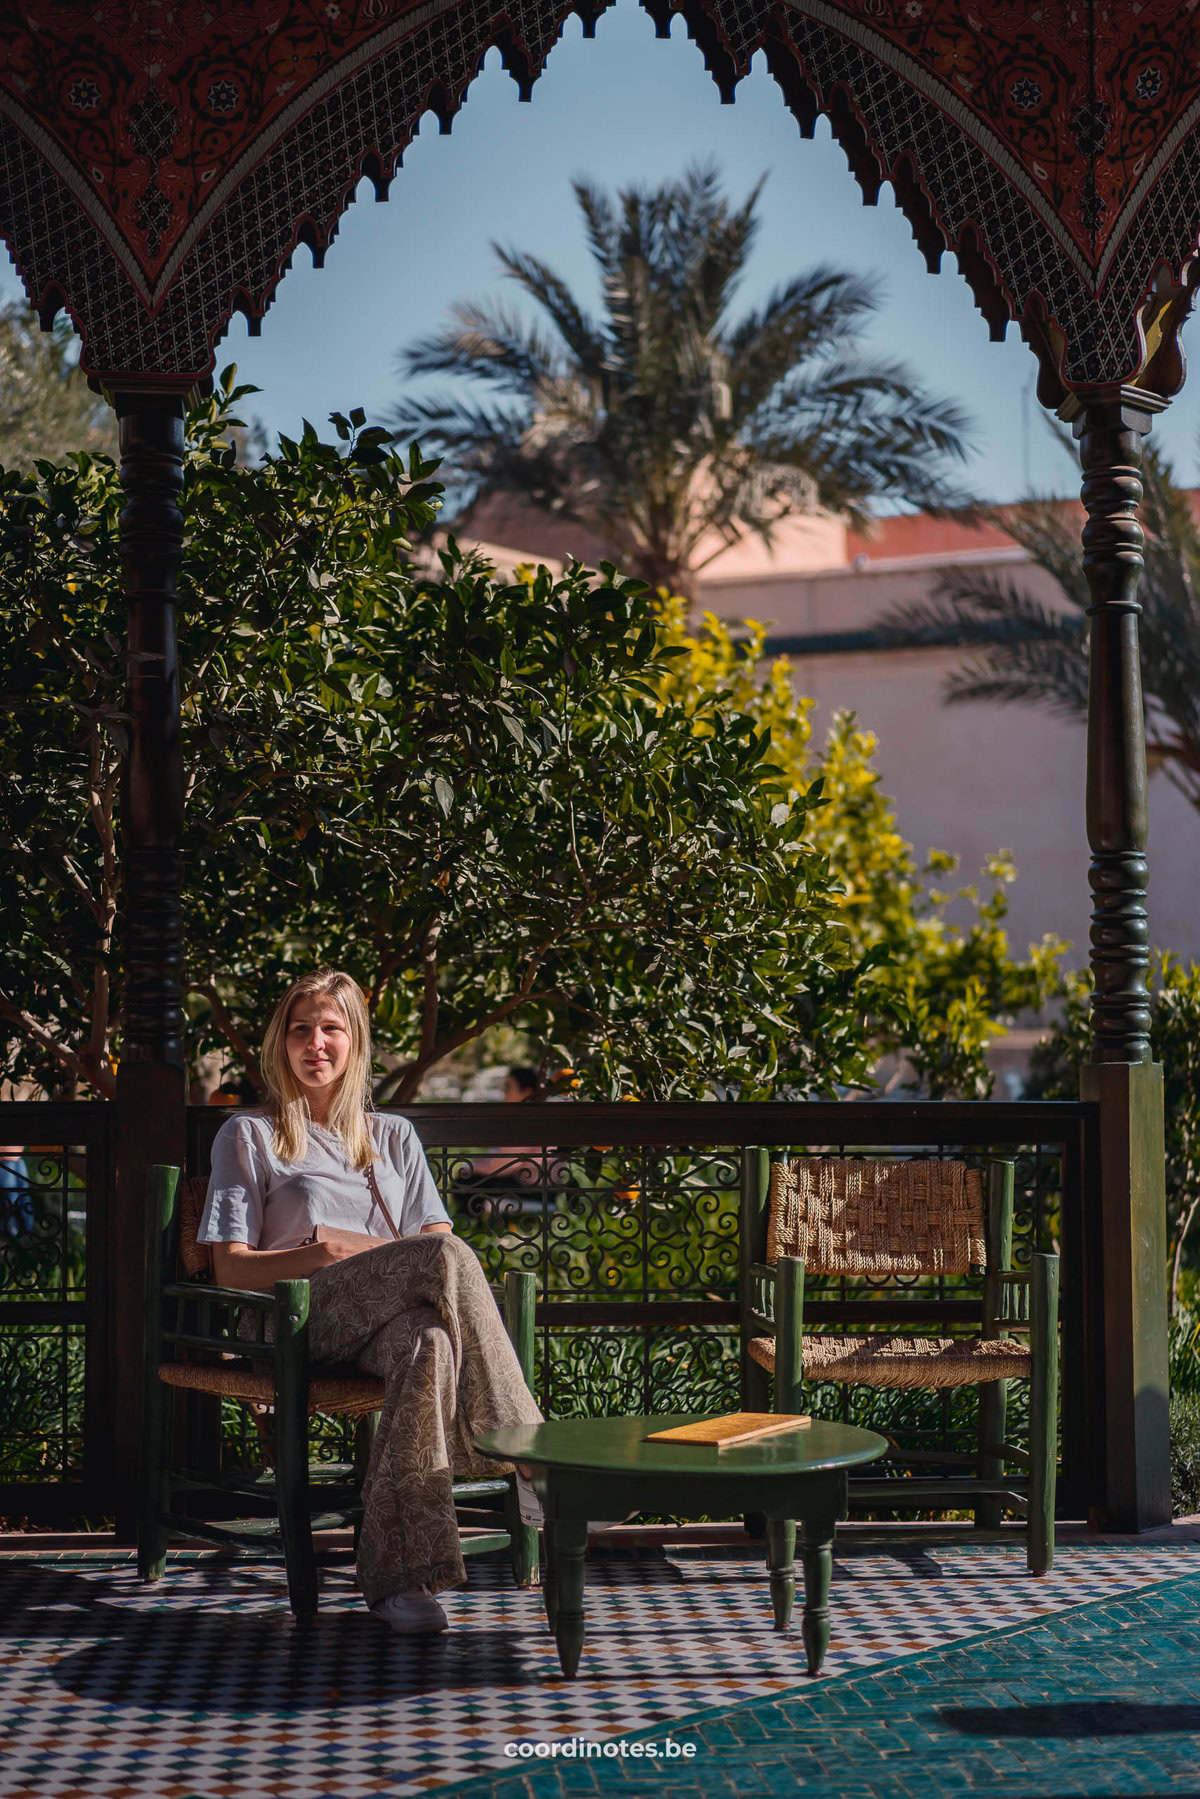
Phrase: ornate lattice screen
(158, 165)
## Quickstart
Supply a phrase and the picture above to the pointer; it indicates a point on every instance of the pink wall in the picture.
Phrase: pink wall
(969, 779)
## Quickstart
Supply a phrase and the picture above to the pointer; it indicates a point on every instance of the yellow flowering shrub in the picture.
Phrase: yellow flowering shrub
(937, 993)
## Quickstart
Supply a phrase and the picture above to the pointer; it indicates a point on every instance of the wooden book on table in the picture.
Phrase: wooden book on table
(733, 1427)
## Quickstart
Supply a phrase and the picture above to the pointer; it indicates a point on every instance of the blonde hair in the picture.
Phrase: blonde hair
(351, 1097)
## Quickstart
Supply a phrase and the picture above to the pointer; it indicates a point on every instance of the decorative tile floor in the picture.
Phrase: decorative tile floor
(199, 1688)
(1100, 1702)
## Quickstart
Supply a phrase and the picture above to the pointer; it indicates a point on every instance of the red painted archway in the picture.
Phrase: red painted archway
(159, 162)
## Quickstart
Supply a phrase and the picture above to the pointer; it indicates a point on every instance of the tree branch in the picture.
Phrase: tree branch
(75, 1063)
(429, 1012)
(81, 887)
(1177, 1261)
(408, 1077)
(390, 960)
(102, 792)
(235, 1038)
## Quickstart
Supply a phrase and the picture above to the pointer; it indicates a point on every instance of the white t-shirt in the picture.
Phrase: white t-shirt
(255, 1198)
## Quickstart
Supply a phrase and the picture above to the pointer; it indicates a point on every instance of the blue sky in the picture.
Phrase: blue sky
(628, 107)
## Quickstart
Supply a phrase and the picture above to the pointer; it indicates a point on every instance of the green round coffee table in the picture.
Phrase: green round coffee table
(589, 1468)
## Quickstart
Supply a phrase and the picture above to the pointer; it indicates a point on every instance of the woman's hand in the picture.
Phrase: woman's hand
(338, 1245)
(257, 1270)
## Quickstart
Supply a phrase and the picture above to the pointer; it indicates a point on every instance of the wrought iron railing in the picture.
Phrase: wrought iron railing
(56, 1398)
(628, 1215)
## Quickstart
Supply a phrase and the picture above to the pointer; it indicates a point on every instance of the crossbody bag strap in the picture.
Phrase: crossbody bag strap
(377, 1196)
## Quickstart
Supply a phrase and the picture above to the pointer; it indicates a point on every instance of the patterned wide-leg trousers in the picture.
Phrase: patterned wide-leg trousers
(420, 1315)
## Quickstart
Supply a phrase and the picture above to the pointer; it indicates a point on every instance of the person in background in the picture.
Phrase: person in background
(509, 1179)
(16, 1195)
(520, 1084)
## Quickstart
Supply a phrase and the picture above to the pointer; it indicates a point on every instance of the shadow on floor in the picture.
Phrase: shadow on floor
(138, 1653)
(1096, 1718)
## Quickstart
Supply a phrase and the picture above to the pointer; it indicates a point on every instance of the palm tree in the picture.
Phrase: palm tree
(1036, 655)
(666, 427)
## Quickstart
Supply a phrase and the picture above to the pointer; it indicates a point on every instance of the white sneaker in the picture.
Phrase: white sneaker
(414, 1614)
(529, 1506)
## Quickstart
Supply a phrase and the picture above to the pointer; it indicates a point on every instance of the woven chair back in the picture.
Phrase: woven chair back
(195, 1258)
(845, 1216)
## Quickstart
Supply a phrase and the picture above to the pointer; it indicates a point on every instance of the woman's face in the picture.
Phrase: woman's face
(318, 1045)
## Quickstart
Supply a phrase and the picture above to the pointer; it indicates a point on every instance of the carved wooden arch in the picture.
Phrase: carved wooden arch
(153, 185)
(160, 159)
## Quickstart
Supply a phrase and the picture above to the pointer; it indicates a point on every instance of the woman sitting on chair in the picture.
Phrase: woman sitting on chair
(315, 1186)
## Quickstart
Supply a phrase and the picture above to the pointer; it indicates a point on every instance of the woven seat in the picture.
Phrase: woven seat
(850, 1217)
(348, 1394)
(876, 1219)
(864, 1219)
(351, 1396)
(904, 1361)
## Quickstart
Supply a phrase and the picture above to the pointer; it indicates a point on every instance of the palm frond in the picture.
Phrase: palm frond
(867, 435)
(486, 344)
(1049, 531)
(579, 334)
(807, 307)
(1170, 600)
(1048, 674)
(599, 221)
(976, 596)
(801, 322)
(458, 428)
(963, 614)
(1034, 653)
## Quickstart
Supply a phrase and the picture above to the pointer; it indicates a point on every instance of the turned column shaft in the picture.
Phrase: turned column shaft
(151, 1096)
(1110, 432)
(1118, 1265)
(151, 438)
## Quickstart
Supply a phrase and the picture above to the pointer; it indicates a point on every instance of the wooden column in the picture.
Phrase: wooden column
(151, 1093)
(1127, 1403)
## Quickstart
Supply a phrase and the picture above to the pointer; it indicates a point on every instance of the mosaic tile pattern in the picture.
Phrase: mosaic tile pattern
(200, 1686)
(1102, 1702)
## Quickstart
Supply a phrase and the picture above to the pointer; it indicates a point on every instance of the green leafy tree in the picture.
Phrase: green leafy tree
(1175, 1043)
(47, 409)
(1028, 653)
(474, 795)
(667, 426)
(938, 993)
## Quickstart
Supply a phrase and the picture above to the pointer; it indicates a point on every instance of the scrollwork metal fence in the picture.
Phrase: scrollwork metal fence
(627, 1214)
(56, 1397)
(629, 1217)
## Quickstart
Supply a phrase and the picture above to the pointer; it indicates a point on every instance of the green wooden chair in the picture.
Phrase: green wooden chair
(253, 1348)
(872, 1220)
